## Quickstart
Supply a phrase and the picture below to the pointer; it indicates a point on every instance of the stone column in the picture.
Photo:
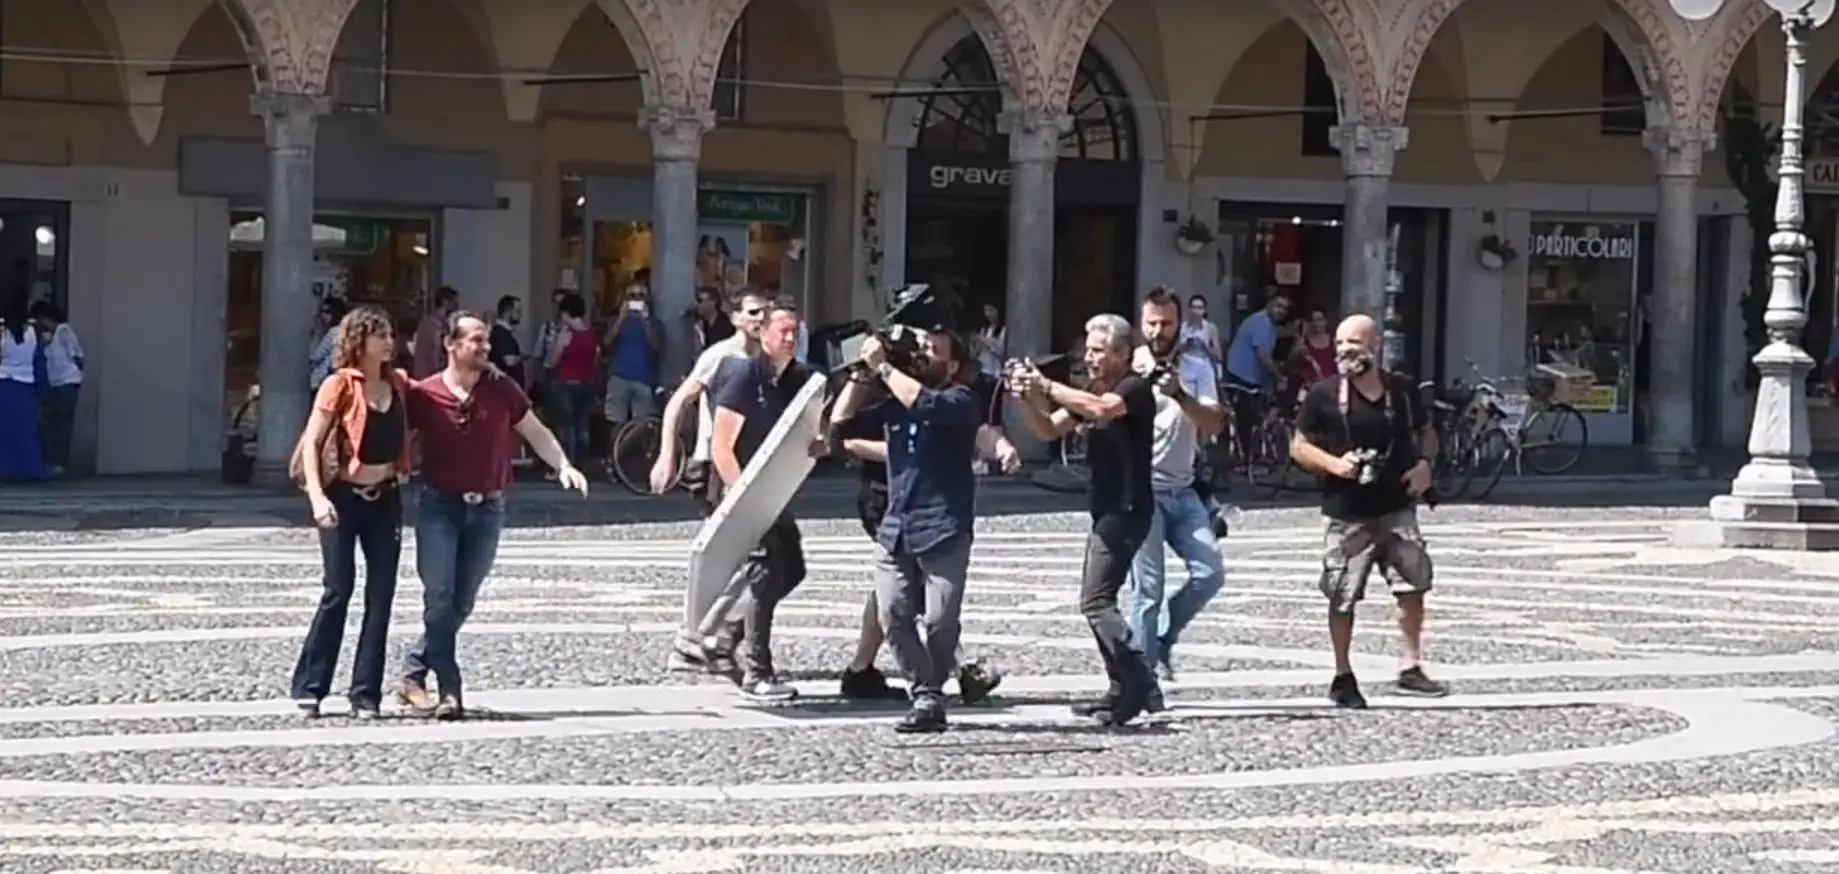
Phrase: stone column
(1034, 147)
(676, 146)
(291, 121)
(1367, 151)
(1672, 308)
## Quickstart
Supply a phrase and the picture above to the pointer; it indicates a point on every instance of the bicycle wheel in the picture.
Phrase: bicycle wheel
(1455, 466)
(1490, 452)
(635, 449)
(1553, 440)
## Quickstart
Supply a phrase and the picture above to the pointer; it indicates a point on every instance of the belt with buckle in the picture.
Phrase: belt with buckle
(476, 498)
(371, 493)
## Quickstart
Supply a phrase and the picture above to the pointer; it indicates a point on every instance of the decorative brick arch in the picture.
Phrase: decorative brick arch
(1742, 27)
(679, 42)
(1408, 30)
(1345, 30)
(290, 41)
(1036, 44)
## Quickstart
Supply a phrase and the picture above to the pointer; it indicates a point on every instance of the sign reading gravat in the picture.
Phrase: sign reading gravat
(943, 176)
(1557, 241)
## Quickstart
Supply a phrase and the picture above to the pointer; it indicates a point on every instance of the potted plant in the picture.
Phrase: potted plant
(1192, 235)
(1495, 253)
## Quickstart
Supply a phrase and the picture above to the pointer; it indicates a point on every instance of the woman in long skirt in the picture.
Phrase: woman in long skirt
(22, 456)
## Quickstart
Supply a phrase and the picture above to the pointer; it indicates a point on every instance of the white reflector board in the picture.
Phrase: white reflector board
(767, 487)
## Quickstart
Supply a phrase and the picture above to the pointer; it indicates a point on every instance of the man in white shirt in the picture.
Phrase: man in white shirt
(1187, 408)
(749, 316)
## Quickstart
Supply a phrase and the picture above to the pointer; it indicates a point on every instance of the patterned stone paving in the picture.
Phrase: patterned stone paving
(1621, 707)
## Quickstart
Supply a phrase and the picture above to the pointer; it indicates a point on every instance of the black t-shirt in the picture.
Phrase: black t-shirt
(1118, 450)
(1386, 425)
(748, 386)
(869, 423)
(507, 354)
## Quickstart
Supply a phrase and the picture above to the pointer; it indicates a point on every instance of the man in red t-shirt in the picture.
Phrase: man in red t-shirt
(469, 417)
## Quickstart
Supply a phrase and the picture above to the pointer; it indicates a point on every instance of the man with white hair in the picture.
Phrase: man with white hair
(1121, 408)
(1365, 433)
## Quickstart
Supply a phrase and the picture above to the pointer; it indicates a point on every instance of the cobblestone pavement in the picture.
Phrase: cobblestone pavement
(1620, 707)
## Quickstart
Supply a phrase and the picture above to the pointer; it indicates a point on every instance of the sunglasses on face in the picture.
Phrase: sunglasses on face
(755, 312)
(466, 414)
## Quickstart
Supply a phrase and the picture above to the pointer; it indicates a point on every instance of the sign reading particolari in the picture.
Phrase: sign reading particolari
(1589, 245)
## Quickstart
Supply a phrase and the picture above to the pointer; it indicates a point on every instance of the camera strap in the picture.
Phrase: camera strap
(1346, 391)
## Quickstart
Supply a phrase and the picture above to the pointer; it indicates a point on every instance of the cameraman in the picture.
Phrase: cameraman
(923, 547)
(864, 435)
(1366, 434)
(1187, 410)
(1122, 407)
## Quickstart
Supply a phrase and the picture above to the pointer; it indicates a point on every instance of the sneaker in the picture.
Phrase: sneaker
(366, 710)
(415, 698)
(308, 707)
(1345, 693)
(766, 689)
(976, 681)
(450, 709)
(1413, 682)
(869, 684)
(922, 719)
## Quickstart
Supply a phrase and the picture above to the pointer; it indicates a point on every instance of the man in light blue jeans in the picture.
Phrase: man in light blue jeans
(1187, 407)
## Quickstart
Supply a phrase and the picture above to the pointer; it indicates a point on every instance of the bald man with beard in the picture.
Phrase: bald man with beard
(1366, 434)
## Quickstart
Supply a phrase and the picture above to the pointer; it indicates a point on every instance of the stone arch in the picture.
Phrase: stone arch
(580, 47)
(927, 63)
(1569, 148)
(678, 43)
(1637, 27)
(1722, 60)
(293, 39)
(209, 104)
(446, 35)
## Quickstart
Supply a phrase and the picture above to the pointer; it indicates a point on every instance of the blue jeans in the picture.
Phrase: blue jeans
(1183, 522)
(455, 545)
(571, 405)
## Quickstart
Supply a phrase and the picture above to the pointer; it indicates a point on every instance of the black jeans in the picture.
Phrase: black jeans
(773, 570)
(59, 410)
(1110, 550)
(375, 526)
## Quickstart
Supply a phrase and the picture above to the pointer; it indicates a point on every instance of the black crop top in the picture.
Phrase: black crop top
(383, 433)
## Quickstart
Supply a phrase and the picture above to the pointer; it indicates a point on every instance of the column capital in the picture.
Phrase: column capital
(1368, 149)
(1034, 132)
(288, 117)
(1678, 152)
(676, 131)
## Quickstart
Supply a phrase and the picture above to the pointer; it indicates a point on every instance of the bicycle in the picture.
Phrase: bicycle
(636, 444)
(1263, 456)
(1504, 419)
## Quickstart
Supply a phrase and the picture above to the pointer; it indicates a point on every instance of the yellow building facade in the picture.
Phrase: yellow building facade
(186, 177)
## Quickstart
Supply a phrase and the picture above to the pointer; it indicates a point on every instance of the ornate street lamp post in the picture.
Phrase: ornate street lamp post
(1777, 500)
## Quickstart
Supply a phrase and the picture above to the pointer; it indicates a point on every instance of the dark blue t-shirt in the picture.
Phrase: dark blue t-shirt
(748, 386)
(932, 487)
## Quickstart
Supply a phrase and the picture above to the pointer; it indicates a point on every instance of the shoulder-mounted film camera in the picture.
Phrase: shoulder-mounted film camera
(902, 330)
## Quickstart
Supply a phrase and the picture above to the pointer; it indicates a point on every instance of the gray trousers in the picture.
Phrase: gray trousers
(921, 597)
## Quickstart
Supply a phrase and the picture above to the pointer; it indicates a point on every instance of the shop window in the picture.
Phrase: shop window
(1624, 107)
(1321, 106)
(730, 91)
(1581, 282)
(745, 239)
(360, 61)
(384, 262)
(34, 260)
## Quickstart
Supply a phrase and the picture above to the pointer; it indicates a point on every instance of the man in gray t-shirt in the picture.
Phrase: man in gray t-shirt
(1187, 407)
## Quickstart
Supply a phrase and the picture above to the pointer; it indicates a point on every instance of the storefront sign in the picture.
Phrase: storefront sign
(1823, 175)
(985, 177)
(1588, 242)
(747, 207)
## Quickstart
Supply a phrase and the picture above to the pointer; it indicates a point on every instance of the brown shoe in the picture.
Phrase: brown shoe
(415, 698)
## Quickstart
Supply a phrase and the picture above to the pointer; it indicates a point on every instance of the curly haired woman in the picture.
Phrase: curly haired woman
(350, 460)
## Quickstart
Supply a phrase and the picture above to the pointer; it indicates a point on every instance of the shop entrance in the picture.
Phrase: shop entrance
(386, 262)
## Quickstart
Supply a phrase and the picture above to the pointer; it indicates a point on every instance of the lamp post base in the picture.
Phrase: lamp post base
(1773, 504)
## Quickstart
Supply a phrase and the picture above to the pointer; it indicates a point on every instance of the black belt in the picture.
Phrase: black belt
(369, 493)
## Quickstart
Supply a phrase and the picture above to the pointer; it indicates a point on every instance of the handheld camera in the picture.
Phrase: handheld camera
(899, 330)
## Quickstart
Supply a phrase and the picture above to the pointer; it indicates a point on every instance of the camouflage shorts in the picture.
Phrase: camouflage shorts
(1351, 549)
